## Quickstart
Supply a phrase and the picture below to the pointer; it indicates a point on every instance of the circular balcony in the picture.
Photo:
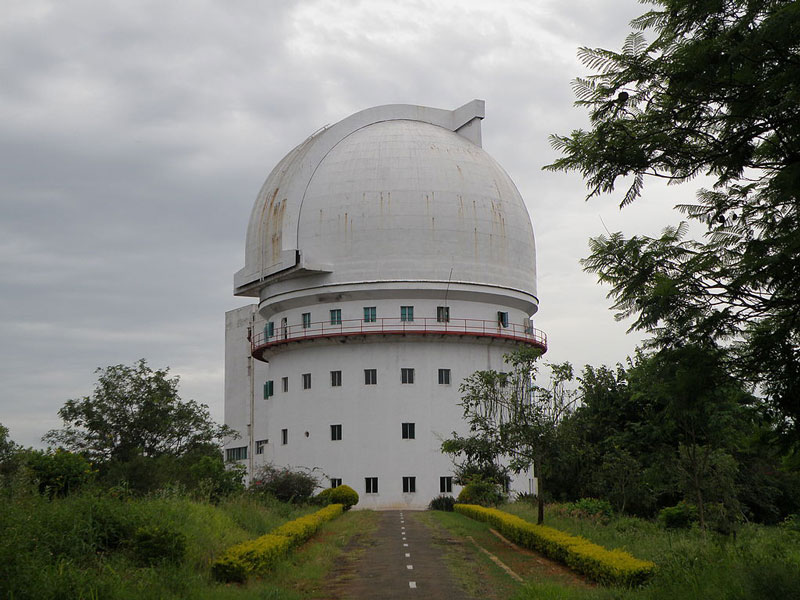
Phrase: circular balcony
(266, 342)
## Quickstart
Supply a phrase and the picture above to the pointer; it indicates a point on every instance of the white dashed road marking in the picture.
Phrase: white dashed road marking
(412, 585)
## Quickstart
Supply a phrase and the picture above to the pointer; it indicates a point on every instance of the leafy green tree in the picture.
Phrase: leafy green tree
(715, 91)
(59, 473)
(511, 418)
(135, 411)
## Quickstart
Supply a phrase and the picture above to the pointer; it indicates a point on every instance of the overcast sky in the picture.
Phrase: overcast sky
(134, 137)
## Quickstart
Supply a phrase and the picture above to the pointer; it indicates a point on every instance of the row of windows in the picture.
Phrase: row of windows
(407, 432)
(370, 378)
(409, 484)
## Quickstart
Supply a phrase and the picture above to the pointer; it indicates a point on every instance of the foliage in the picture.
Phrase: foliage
(341, 494)
(715, 92)
(680, 516)
(481, 492)
(511, 418)
(214, 480)
(442, 502)
(257, 557)
(58, 473)
(613, 567)
(283, 483)
(154, 544)
(590, 507)
(135, 412)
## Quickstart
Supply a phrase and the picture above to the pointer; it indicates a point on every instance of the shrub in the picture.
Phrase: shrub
(59, 473)
(614, 567)
(259, 555)
(680, 516)
(152, 545)
(341, 494)
(442, 502)
(590, 507)
(283, 483)
(481, 492)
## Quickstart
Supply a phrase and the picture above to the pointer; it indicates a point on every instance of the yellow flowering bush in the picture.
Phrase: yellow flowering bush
(256, 557)
(613, 567)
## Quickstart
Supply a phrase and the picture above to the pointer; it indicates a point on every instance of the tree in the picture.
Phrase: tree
(511, 418)
(135, 412)
(716, 92)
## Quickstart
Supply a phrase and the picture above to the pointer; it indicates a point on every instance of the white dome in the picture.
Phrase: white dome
(392, 194)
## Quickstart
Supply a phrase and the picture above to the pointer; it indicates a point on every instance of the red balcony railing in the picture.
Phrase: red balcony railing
(260, 342)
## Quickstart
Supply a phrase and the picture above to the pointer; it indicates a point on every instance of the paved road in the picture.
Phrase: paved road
(401, 562)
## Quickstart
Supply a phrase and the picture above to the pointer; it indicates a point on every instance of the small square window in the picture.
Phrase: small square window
(502, 318)
(370, 376)
(336, 432)
(260, 446)
(285, 383)
(443, 314)
(446, 485)
(371, 485)
(306, 320)
(406, 375)
(268, 389)
(409, 485)
(284, 436)
(335, 482)
(406, 313)
(370, 314)
(444, 376)
(336, 379)
(336, 316)
(306, 381)
(408, 431)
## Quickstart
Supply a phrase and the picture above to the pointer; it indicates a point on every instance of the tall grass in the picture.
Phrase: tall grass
(760, 562)
(80, 546)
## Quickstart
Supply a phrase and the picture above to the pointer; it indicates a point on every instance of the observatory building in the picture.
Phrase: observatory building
(389, 257)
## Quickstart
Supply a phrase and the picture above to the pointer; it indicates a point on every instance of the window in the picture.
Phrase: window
(336, 316)
(406, 313)
(239, 453)
(306, 320)
(406, 375)
(446, 485)
(443, 314)
(409, 485)
(370, 376)
(284, 436)
(408, 431)
(336, 379)
(444, 376)
(370, 314)
(502, 318)
(335, 482)
(371, 485)
(285, 384)
(306, 381)
(268, 389)
(269, 329)
(260, 446)
(336, 432)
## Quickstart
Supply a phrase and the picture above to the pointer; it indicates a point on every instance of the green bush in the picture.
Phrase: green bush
(482, 492)
(256, 557)
(614, 567)
(59, 473)
(283, 483)
(152, 545)
(590, 507)
(341, 494)
(680, 516)
(442, 502)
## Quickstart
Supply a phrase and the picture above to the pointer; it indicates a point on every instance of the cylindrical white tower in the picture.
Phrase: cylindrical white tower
(392, 257)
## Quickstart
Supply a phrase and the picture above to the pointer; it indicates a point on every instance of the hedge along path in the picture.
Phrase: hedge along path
(614, 567)
(258, 556)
